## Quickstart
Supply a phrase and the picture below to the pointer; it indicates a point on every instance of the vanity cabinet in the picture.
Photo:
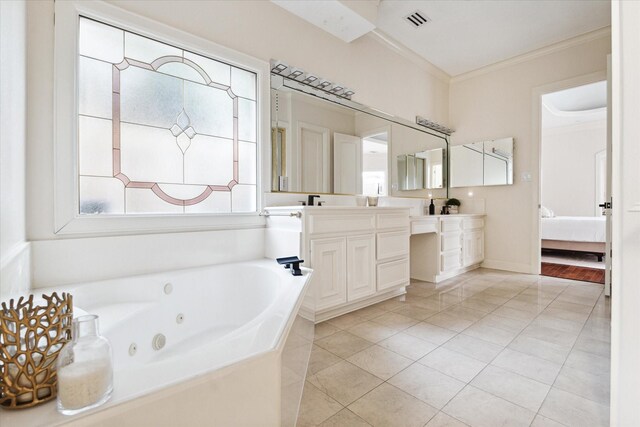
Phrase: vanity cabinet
(361, 267)
(450, 244)
(359, 256)
(329, 255)
(444, 246)
(473, 241)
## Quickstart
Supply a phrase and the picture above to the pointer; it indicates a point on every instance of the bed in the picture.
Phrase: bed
(574, 233)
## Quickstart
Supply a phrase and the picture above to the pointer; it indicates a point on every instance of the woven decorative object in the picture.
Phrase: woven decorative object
(30, 339)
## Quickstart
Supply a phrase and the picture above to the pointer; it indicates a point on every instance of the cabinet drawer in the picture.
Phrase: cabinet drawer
(392, 244)
(450, 241)
(450, 224)
(394, 273)
(392, 220)
(330, 223)
(450, 261)
(471, 223)
(421, 227)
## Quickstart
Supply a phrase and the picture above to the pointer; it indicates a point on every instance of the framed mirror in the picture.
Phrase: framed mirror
(322, 146)
(483, 163)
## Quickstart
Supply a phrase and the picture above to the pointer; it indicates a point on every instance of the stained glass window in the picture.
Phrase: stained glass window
(161, 129)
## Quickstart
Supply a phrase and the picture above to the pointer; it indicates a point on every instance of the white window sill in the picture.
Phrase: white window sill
(153, 224)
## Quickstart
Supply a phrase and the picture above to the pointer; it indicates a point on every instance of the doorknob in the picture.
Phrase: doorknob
(605, 205)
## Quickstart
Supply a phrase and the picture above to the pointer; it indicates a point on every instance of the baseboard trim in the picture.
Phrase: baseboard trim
(444, 276)
(321, 316)
(515, 267)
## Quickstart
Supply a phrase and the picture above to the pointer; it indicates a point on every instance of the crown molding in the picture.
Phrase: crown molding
(397, 47)
(565, 44)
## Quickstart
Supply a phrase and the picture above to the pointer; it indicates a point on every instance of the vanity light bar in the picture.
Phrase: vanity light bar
(311, 80)
(324, 84)
(278, 67)
(501, 153)
(348, 93)
(295, 73)
(433, 125)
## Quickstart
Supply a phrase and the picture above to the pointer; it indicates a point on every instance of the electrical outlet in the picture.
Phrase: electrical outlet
(526, 176)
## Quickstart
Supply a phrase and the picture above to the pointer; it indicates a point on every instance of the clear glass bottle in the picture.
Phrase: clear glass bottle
(85, 369)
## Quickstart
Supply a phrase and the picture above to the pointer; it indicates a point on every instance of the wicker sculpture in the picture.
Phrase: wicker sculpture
(30, 339)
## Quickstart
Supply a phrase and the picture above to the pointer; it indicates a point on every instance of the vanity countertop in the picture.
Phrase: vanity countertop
(327, 207)
(417, 217)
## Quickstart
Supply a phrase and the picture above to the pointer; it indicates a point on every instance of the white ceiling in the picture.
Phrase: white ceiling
(330, 15)
(462, 35)
(466, 35)
(576, 105)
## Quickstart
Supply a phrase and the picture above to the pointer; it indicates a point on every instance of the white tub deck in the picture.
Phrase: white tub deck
(234, 321)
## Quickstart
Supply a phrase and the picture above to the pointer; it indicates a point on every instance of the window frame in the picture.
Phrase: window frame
(67, 217)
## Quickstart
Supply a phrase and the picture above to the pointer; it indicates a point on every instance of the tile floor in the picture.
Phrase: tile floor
(486, 348)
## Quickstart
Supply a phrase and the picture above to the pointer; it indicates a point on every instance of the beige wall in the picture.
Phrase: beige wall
(569, 167)
(499, 103)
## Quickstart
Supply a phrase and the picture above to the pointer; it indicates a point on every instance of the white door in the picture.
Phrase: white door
(625, 298)
(607, 200)
(328, 260)
(347, 164)
(361, 266)
(313, 158)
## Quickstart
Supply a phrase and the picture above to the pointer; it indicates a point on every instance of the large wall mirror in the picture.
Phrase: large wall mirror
(425, 169)
(322, 146)
(482, 163)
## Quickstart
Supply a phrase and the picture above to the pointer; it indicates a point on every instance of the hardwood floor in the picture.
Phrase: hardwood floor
(573, 272)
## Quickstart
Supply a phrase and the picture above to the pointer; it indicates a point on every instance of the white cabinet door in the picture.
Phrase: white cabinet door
(328, 260)
(473, 247)
(361, 266)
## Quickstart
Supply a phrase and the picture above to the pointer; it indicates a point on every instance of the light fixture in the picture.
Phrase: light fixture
(348, 93)
(324, 84)
(309, 79)
(501, 153)
(433, 125)
(295, 73)
(278, 67)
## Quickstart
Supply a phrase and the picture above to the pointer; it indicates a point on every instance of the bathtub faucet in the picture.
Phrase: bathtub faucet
(292, 262)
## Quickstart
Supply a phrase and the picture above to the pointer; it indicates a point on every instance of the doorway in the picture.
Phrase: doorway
(573, 182)
(375, 173)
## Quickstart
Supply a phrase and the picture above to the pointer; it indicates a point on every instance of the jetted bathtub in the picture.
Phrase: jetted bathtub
(203, 346)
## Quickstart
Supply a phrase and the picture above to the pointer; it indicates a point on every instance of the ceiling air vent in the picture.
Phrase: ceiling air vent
(417, 19)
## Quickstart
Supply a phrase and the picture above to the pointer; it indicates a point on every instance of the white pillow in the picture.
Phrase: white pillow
(545, 212)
